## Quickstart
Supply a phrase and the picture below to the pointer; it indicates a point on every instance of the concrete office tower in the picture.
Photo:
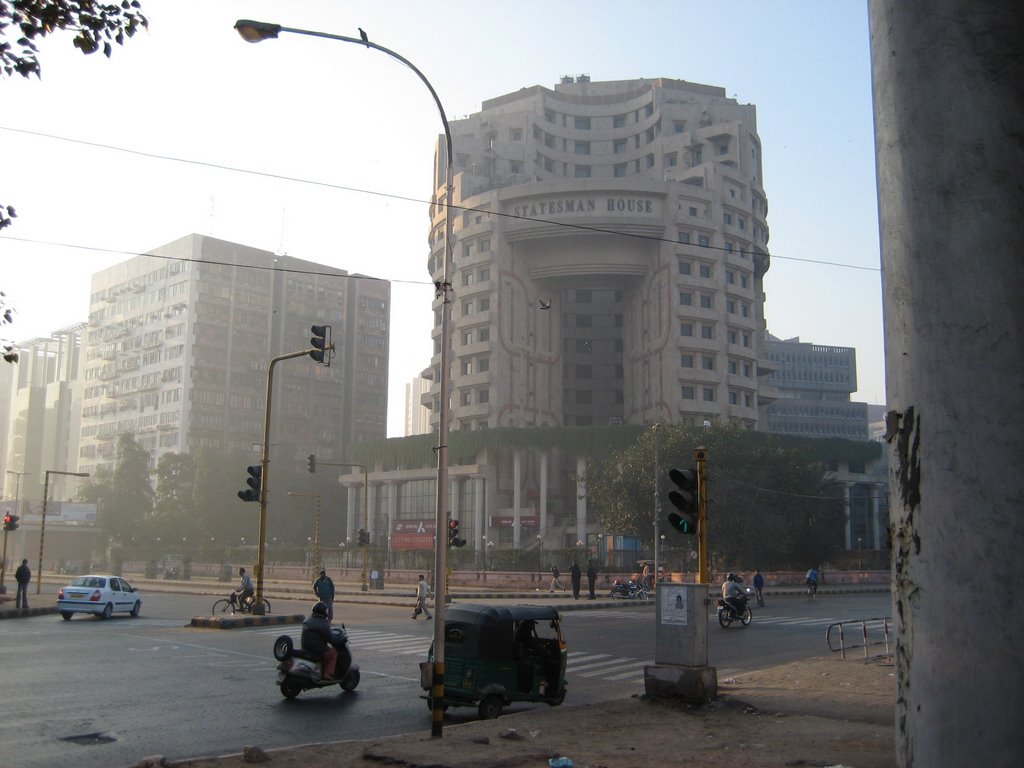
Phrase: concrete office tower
(179, 345)
(814, 383)
(610, 245)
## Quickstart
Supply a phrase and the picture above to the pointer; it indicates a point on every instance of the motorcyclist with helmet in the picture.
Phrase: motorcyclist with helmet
(316, 638)
(733, 594)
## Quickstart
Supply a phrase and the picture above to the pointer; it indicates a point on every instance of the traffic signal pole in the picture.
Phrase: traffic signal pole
(700, 455)
(257, 608)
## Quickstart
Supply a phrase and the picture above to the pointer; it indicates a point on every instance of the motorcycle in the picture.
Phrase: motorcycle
(300, 670)
(727, 614)
(627, 590)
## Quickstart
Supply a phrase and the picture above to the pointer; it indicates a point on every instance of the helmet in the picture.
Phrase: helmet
(731, 577)
(320, 609)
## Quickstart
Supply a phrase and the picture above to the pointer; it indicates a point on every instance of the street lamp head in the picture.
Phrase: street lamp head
(256, 31)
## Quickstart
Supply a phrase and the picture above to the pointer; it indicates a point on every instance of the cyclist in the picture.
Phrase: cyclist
(243, 595)
(812, 580)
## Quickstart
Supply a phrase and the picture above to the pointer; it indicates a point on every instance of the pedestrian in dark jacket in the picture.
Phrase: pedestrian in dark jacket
(574, 576)
(23, 575)
(591, 578)
(323, 588)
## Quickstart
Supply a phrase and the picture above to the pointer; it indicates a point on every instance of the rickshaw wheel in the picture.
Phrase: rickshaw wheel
(490, 707)
(558, 699)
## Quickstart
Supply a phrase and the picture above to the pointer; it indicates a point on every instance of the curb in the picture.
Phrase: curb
(223, 622)
(18, 613)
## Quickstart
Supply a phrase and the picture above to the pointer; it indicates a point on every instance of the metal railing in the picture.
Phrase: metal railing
(876, 624)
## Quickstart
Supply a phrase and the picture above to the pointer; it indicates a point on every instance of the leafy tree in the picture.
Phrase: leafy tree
(124, 496)
(768, 501)
(174, 507)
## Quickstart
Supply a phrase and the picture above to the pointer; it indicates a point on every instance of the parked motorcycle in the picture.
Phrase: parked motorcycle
(300, 670)
(627, 590)
(727, 614)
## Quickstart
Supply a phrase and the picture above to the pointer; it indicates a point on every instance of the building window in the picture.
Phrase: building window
(467, 278)
(723, 149)
(619, 121)
(483, 364)
(485, 245)
(706, 301)
(705, 270)
(686, 298)
(746, 339)
(684, 237)
(686, 360)
(648, 110)
(483, 304)
(686, 329)
(466, 397)
(693, 210)
(733, 399)
(684, 267)
(515, 166)
(730, 277)
(742, 223)
(730, 306)
(483, 334)
(707, 362)
(467, 308)
(485, 273)
(707, 331)
(671, 160)
(745, 309)
(582, 171)
(619, 146)
(515, 135)
(728, 246)
(703, 241)
(747, 399)
(620, 170)
(696, 155)
(687, 392)
(467, 367)
(549, 165)
(678, 126)
(550, 116)
(732, 367)
(731, 336)
(727, 218)
(581, 123)
(650, 161)
(582, 147)
(709, 395)
(744, 281)
(746, 370)
(483, 395)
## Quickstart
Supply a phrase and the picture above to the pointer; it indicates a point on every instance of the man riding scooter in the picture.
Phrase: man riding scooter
(316, 638)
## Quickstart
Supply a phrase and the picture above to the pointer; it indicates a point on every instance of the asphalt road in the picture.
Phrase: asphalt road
(104, 694)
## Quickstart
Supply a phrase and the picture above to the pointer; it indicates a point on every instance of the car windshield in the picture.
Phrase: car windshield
(89, 581)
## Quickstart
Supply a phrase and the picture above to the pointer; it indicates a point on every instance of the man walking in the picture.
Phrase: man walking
(323, 588)
(23, 575)
(422, 593)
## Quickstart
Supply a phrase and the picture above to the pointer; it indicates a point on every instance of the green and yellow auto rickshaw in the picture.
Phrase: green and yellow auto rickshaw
(498, 655)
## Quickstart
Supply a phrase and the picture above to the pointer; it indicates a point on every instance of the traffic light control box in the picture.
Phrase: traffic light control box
(681, 634)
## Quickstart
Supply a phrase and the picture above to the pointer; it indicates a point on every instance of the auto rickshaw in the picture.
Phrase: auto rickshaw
(498, 655)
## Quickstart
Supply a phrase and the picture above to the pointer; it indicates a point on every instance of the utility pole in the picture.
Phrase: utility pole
(700, 455)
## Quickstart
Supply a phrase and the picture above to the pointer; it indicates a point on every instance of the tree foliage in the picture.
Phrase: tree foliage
(96, 26)
(124, 497)
(768, 501)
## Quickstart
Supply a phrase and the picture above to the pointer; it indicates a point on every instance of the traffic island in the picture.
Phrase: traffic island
(237, 622)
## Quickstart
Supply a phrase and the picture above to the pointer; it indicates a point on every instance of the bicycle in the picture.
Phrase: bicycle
(231, 605)
(812, 590)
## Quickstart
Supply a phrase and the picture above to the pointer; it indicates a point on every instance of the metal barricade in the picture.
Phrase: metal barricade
(882, 623)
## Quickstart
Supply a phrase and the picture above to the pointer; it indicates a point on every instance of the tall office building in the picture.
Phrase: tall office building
(179, 343)
(610, 242)
(814, 383)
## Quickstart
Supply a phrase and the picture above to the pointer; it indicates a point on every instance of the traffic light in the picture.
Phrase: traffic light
(363, 537)
(453, 534)
(322, 345)
(312, 462)
(11, 522)
(685, 499)
(254, 481)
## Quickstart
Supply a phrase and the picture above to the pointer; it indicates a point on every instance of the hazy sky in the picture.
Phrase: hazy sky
(323, 150)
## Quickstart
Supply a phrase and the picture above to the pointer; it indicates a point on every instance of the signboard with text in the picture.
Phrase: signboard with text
(508, 521)
(412, 534)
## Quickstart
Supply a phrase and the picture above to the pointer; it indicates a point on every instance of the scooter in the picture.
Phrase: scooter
(627, 590)
(727, 614)
(300, 670)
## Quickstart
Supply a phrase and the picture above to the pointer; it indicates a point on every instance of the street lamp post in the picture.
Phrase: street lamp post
(42, 524)
(257, 31)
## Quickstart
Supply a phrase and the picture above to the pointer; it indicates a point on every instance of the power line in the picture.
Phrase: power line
(405, 198)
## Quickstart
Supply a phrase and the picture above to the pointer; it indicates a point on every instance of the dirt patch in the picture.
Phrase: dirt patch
(819, 712)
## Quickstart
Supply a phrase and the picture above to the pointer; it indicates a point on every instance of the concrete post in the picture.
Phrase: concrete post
(949, 108)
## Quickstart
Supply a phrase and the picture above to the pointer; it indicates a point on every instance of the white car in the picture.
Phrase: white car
(98, 594)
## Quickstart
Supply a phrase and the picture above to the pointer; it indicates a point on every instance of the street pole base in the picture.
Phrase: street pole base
(694, 685)
(364, 588)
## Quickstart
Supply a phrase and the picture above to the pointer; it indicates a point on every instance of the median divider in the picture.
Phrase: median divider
(236, 622)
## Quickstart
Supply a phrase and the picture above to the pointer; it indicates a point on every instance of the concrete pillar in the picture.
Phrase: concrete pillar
(581, 497)
(543, 493)
(479, 526)
(354, 513)
(949, 111)
(517, 498)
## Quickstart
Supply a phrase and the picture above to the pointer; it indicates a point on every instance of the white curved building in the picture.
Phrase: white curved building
(610, 242)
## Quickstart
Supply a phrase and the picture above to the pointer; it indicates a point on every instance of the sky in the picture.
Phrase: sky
(324, 150)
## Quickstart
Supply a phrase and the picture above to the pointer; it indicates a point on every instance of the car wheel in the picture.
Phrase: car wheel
(350, 681)
(283, 648)
(135, 609)
(66, 615)
(490, 707)
(108, 611)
